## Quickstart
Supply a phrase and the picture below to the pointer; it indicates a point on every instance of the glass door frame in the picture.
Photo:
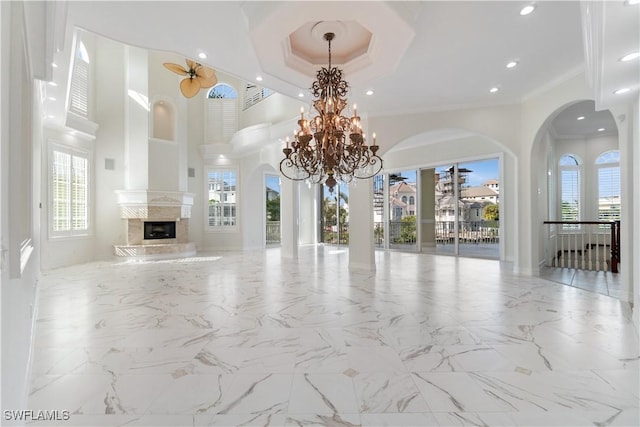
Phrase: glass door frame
(456, 225)
(265, 176)
(417, 247)
(336, 193)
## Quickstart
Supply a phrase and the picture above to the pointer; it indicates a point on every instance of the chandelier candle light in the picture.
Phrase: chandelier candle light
(330, 146)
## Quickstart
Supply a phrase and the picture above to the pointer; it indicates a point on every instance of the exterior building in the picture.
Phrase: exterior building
(98, 139)
(493, 184)
(402, 200)
(480, 194)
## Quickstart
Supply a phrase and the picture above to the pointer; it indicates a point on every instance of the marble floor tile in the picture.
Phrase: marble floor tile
(325, 394)
(231, 339)
(380, 393)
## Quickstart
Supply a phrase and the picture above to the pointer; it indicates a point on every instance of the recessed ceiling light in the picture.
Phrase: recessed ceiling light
(600, 129)
(631, 56)
(621, 91)
(202, 55)
(51, 98)
(258, 78)
(369, 92)
(54, 65)
(51, 116)
(301, 95)
(527, 10)
(494, 89)
(512, 64)
(580, 118)
(54, 84)
(632, 2)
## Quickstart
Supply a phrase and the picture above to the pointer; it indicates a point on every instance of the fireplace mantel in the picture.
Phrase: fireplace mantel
(149, 203)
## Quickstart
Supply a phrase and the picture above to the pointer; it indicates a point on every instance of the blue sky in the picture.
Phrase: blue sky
(273, 182)
(483, 170)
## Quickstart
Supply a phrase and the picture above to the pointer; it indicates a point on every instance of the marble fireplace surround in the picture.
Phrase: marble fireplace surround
(138, 206)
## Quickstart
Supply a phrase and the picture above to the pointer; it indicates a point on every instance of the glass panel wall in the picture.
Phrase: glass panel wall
(467, 209)
(479, 229)
(445, 206)
(378, 210)
(272, 209)
(403, 202)
(335, 215)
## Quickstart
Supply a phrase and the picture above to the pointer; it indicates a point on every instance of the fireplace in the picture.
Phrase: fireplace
(157, 224)
(159, 230)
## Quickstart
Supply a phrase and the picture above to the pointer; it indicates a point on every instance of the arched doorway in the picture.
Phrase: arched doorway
(575, 168)
(424, 163)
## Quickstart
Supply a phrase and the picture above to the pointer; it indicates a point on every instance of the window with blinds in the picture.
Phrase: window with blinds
(222, 206)
(222, 114)
(69, 194)
(608, 165)
(569, 190)
(79, 89)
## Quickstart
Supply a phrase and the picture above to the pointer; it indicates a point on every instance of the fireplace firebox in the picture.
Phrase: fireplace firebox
(159, 230)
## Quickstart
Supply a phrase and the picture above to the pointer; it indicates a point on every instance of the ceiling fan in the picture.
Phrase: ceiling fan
(198, 76)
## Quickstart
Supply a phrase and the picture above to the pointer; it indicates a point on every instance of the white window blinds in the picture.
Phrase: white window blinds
(69, 194)
(570, 181)
(609, 193)
(222, 120)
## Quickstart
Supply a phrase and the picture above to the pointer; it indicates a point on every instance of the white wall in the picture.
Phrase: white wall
(631, 177)
(109, 228)
(19, 135)
(253, 202)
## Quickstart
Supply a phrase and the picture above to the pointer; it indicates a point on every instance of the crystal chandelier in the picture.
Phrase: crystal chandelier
(330, 146)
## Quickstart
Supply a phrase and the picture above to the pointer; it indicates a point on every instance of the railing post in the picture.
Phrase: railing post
(615, 241)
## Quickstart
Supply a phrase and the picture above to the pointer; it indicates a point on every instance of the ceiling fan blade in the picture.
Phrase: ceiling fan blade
(203, 71)
(206, 82)
(189, 87)
(191, 64)
(178, 69)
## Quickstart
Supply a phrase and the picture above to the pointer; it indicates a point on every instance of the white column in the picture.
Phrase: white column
(289, 217)
(627, 123)
(136, 119)
(361, 240)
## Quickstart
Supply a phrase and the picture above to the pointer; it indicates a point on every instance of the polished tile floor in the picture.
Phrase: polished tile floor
(602, 282)
(254, 339)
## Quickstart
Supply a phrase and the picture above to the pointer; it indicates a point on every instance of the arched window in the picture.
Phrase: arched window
(569, 188)
(412, 200)
(608, 167)
(222, 113)
(404, 199)
(222, 90)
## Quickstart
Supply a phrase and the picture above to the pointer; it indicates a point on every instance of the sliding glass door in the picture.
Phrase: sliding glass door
(272, 209)
(403, 201)
(479, 220)
(335, 215)
(467, 197)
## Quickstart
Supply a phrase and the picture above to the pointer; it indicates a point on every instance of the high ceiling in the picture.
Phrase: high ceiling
(414, 56)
